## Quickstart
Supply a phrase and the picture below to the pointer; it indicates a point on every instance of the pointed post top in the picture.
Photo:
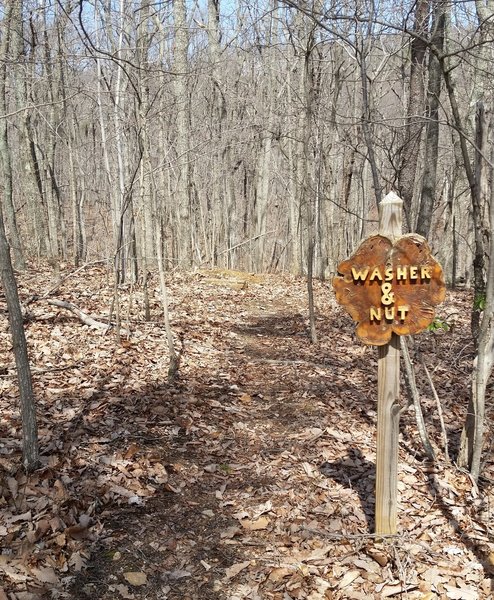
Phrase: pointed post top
(390, 216)
(392, 197)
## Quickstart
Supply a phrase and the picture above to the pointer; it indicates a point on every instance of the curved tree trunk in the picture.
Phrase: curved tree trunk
(28, 409)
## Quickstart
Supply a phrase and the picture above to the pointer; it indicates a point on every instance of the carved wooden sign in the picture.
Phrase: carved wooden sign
(390, 287)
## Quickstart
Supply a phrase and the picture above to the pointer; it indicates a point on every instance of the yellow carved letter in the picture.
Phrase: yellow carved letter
(375, 313)
(389, 312)
(401, 273)
(414, 272)
(360, 273)
(388, 274)
(376, 274)
(425, 273)
(402, 312)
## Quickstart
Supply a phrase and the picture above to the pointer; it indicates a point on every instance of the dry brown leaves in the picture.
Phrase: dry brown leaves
(252, 477)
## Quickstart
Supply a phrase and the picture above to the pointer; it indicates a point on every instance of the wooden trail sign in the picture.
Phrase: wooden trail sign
(390, 287)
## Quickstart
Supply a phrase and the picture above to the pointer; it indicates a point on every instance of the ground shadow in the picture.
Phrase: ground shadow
(174, 535)
(325, 371)
(292, 325)
(183, 522)
(482, 553)
(356, 473)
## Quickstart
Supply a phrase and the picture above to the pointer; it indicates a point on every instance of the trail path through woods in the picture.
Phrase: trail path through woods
(252, 476)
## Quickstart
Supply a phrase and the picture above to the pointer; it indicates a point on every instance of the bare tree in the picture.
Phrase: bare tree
(9, 52)
(429, 180)
(415, 109)
(472, 440)
(30, 457)
(184, 231)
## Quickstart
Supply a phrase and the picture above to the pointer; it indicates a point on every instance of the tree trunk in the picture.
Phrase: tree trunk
(414, 120)
(472, 178)
(183, 200)
(479, 201)
(9, 52)
(30, 457)
(35, 199)
(307, 199)
(118, 111)
(146, 184)
(367, 117)
(265, 161)
(77, 230)
(473, 432)
(174, 357)
(223, 193)
(429, 180)
(294, 231)
(50, 139)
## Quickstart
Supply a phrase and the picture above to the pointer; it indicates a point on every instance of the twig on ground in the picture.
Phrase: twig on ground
(413, 391)
(84, 317)
(439, 408)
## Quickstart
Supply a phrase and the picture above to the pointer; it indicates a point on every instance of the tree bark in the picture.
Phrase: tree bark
(183, 196)
(174, 357)
(479, 201)
(472, 178)
(472, 438)
(367, 118)
(429, 181)
(9, 53)
(30, 455)
(146, 184)
(266, 157)
(415, 110)
(307, 199)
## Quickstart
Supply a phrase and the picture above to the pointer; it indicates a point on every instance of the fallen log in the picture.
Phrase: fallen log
(81, 315)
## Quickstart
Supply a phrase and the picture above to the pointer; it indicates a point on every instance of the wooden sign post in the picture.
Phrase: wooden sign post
(388, 398)
(390, 287)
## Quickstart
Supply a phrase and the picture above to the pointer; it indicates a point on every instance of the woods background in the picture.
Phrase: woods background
(251, 135)
(144, 138)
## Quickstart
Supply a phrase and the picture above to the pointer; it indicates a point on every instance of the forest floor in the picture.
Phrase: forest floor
(250, 477)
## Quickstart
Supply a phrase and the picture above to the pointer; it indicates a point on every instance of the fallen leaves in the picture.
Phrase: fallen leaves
(236, 569)
(46, 575)
(461, 593)
(123, 590)
(348, 578)
(81, 530)
(136, 578)
(253, 477)
(256, 524)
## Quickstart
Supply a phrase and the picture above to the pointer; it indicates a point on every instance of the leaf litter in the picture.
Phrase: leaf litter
(252, 476)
